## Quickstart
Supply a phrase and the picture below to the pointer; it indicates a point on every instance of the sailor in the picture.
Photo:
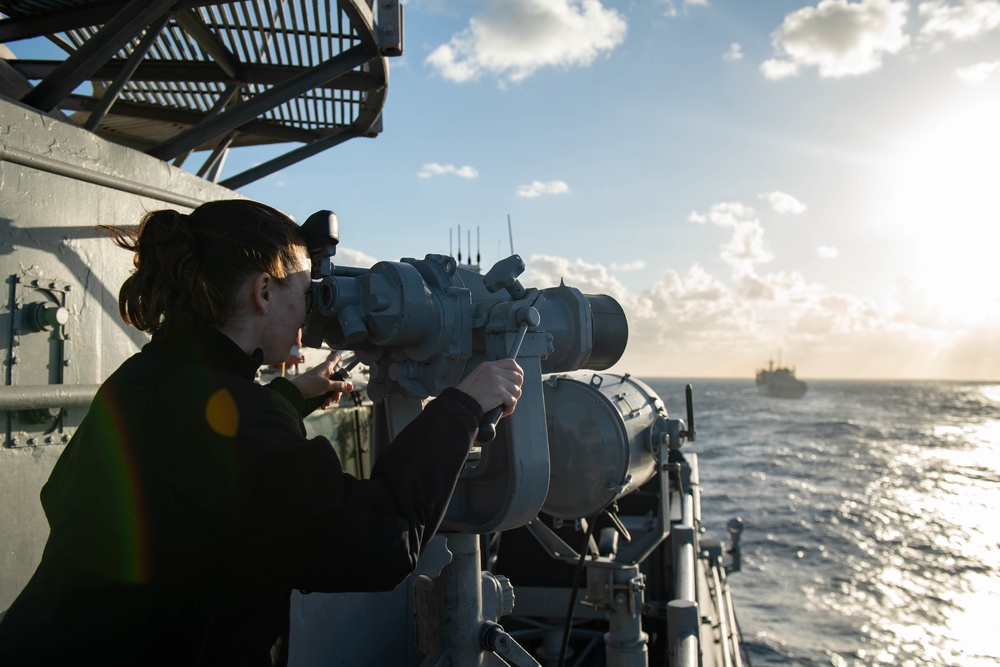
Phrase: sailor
(190, 502)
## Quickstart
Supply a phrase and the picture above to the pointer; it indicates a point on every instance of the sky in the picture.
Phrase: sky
(811, 182)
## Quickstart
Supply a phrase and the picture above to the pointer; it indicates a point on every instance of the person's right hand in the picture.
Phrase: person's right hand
(494, 383)
(319, 380)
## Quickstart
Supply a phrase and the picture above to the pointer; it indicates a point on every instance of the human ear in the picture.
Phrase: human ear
(261, 291)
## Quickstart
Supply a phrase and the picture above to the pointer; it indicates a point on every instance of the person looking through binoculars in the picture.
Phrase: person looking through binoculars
(190, 502)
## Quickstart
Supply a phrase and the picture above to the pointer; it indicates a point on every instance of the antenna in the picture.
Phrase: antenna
(510, 232)
(478, 255)
(460, 245)
(451, 245)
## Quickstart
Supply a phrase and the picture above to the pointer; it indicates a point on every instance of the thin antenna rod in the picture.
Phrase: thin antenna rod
(510, 232)
(460, 245)
(451, 244)
(479, 258)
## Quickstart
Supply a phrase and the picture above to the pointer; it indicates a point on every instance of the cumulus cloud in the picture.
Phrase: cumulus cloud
(539, 188)
(692, 323)
(735, 52)
(827, 252)
(725, 214)
(839, 38)
(783, 202)
(961, 22)
(513, 38)
(831, 314)
(691, 315)
(549, 270)
(434, 169)
(975, 75)
(745, 247)
(350, 257)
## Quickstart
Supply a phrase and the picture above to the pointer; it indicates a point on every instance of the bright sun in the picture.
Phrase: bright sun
(943, 200)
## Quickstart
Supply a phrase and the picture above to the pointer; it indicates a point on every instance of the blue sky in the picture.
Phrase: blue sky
(749, 179)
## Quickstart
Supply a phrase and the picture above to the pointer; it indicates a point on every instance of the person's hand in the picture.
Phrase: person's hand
(494, 383)
(317, 381)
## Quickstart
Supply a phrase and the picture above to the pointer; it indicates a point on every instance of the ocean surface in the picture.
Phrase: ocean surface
(871, 514)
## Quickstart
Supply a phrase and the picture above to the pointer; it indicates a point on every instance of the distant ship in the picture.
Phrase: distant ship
(780, 382)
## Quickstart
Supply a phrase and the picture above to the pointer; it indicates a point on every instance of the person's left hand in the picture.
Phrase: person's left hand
(316, 381)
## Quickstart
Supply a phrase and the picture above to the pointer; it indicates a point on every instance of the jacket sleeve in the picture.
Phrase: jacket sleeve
(317, 528)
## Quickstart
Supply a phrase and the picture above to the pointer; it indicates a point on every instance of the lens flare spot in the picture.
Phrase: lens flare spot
(221, 413)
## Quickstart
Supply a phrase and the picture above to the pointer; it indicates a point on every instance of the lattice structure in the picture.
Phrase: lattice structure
(175, 76)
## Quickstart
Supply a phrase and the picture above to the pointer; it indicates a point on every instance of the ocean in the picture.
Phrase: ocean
(871, 517)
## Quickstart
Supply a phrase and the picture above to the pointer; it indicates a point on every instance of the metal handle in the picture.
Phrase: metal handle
(528, 317)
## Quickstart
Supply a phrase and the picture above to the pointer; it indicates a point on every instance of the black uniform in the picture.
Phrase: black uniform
(190, 503)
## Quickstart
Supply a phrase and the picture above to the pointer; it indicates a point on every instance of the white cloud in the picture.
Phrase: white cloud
(783, 203)
(513, 38)
(961, 22)
(827, 252)
(670, 6)
(778, 69)
(349, 257)
(635, 265)
(832, 314)
(735, 52)
(975, 75)
(549, 270)
(839, 38)
(539, 188)
(726, 214)
(746, 246)
(434, 169)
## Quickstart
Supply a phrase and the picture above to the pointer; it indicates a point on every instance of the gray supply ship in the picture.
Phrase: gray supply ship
(780, 382)
(574, 536)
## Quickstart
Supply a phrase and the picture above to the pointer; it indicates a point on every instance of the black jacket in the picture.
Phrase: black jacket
(190, 503)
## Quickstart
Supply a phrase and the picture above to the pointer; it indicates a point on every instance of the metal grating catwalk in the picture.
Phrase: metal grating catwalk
(170, 77)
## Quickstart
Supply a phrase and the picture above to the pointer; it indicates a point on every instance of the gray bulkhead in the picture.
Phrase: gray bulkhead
(54, 257)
